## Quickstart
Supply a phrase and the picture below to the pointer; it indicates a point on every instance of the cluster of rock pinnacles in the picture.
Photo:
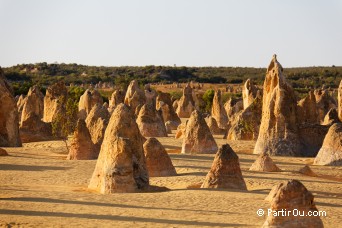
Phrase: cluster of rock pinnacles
(121, 134)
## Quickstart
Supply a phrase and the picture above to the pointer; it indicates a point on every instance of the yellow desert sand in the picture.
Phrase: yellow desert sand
(39, 188)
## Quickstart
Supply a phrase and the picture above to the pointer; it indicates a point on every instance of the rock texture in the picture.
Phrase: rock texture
(116, 98)
(331, 117)
(339, 100)
(331, 151)
(134, 96)
(186, 105)
(82, 148)
(307, 110)
(32, 128)
(264, 163)
(245, 125)
(9, 119)
(289, 196)
(225, 171)
(150, 122)
(88, 100)
(218, 112)
(278, 129)
(121, 165)
(158, 161)
(151, 95)
(164, 104)
(249, 93)
(213, 126)
(54, 101)
(181, 130)
(97, 122)
(197, 136)
(20, 105)
(324, 103)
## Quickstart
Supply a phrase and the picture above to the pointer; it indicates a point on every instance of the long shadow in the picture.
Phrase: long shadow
(193, 157)
(30, 168)
(192, 167)
(167, 146)
(115, 218)
(328, 204)
(49, 200)
(193, 174)
(285, 179)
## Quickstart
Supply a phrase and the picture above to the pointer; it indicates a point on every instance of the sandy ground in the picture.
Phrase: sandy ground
(39, 188)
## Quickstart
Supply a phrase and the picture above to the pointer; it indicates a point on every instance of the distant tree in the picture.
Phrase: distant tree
(208, 97)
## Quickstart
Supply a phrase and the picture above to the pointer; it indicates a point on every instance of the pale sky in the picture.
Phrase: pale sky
(167, 32)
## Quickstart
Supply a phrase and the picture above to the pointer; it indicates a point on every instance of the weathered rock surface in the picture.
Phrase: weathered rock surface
(158, 161)
(331, 117)
(218, 112)
(121, 165)
(20, 105)
(134, 96)
(97, 122)
(181, 130)
(249, 93)
(324, 103)
(245, 125)
(213, 126)
(116, 98)
(88, 100)
(339, 101)
(225, 171)
(32, 128)
(186, 105)
(150, 122)
(331, 151)
(81, 148)
(151, 95)
(164, 104)
(9, 119)
(264, 163)
(55, 101)
(294, 197)
(307, 110)
(197, 137)
(278, 128)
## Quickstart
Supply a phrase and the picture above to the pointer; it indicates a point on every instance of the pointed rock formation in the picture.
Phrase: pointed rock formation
(9, 119)
(233, 107)
(150, 95)
(278, 129)
(97, 122)
(186, 104)
(306, 170)
(165, 105)
(55, 101)
(116, 98)
(88, 100)
(197, 137)
(158, 161)
(150, 122)
(181, 130)
(134, 96)
(331, 117)
(249, 93)
(307, 110)
(339, 101)
(218, 111)
(20, 105)
(213, 126)
(264, 163)
(324, 103)
(246, 124)
(292, 197)
(32, 128)
(331, 151)
(121, 165)
(225, 171)
(82, 148)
